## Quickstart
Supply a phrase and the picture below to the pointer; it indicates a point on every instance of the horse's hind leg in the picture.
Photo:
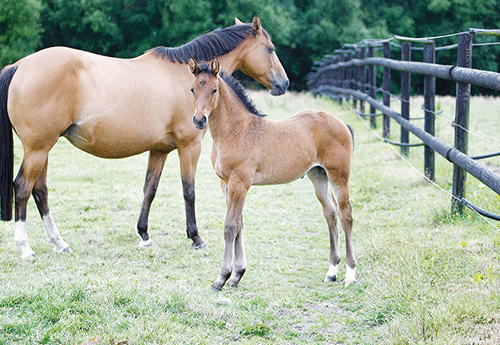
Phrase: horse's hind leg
(323, 193)
(340, 180)
(155, 167)
(40, 194)
(32, 166)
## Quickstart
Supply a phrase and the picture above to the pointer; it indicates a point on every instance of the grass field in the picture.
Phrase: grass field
(425, 276)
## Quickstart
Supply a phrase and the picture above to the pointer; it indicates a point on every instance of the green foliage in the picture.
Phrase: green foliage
(20, 29)
(303, 31)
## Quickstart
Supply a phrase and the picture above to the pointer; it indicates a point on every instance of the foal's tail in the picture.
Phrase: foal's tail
(6, 146)
(352, 134)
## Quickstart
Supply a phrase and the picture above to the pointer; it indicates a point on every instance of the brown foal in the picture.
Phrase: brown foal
(249, 149)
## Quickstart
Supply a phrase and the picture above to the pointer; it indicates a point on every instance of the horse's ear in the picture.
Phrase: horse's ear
(215, 66)
(193, 66)
(256, 24)
(237, 21)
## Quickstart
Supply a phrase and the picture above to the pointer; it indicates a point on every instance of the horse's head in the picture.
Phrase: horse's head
(258, 60)
(204, 89)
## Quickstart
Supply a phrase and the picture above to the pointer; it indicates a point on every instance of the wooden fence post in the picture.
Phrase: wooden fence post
(405, 96)
(386, 96)
(355, 83)
(464, 59)
(429, 110)
(372, 69)
(362, 79)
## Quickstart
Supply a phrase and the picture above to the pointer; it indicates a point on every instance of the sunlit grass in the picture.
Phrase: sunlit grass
(424, 275)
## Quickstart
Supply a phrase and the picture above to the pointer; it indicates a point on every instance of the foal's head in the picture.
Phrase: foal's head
(204, 89)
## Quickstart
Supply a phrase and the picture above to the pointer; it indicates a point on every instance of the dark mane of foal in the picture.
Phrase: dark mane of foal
(207, 46)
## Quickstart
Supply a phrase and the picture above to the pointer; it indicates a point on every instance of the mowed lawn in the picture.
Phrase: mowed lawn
(425, 276)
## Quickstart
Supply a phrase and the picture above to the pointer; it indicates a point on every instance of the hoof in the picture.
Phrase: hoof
(30, 257)
(330, 279)
(65, 250)
(214, 288)
(233, 285)
(348, 282)
(148, 243)
(199, 244)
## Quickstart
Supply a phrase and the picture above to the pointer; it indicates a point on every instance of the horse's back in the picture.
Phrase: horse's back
(106, 106)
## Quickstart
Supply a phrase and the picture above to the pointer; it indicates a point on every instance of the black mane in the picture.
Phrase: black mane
(207, 46)
(241, 93)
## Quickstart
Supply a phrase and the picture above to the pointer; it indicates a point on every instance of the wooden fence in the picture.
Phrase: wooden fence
(351, 73)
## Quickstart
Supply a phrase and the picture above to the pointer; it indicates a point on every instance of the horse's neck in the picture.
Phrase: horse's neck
(230, 62)
(230, 117)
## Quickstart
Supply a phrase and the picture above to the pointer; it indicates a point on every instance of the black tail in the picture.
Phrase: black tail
(6, 146)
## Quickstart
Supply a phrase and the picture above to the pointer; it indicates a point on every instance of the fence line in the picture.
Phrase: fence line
(351, 74)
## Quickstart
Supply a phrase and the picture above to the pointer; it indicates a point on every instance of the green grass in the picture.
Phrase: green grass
(424, 275)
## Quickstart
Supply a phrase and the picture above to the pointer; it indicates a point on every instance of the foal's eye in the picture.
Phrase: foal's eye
(192, 90)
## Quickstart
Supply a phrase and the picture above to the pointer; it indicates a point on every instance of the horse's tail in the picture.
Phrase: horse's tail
(6, 146)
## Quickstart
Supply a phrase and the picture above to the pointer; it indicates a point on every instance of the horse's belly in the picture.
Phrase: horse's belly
(105, 143)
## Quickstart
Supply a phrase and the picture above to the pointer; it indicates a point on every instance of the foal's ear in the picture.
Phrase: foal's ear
(237, 21)
(193, 66)
(215, 67)
(256, 24)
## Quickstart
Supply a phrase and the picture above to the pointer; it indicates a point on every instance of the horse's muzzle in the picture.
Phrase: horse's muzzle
(278, 88)
(200, 124)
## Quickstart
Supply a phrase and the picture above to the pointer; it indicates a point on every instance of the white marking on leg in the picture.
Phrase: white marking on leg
(21, 240)
(350, 275)
(148, 243)
(53, 235)
(331, 275)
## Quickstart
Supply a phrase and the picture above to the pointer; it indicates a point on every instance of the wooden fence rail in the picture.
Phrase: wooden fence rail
(345, 75)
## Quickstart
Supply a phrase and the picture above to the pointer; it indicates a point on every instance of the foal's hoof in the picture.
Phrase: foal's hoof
(349, 282)
(65, 250)
(149, 243)
(29, 257)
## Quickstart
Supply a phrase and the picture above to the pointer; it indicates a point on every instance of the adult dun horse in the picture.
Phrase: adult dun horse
(251, 150)
(114, 108)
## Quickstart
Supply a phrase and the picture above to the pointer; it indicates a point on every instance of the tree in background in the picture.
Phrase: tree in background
(20, 29)
(302, 30)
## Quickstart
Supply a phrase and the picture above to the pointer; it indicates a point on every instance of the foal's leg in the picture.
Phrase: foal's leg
(341, 181)
(32, 166)
(40, 194)
(233, 226)
(188, 157)
(325, 197)
(155, 166)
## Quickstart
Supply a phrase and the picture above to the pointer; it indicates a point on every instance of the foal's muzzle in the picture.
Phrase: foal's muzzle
(200, 124)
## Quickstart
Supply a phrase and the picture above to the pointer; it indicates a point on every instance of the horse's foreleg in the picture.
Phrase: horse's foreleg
(323, 193)
(40, 194)
(240, 262)
(156, 163)
(32, 166)
(188, 157)
(233, 226)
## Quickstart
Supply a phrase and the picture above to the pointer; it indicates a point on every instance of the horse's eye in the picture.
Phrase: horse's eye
(270, 50)
(192, 90)
(214, 91)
